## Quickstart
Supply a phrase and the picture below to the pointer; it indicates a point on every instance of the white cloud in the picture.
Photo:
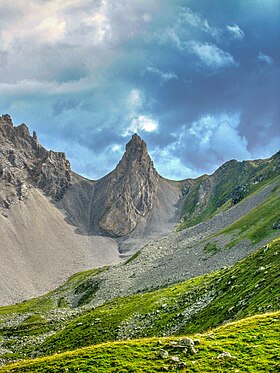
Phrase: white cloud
(195, 20)
(214, 139)
(147, 18)
(265, 58)
(227, 143)
(163, 76)
(35, 20)
(134, 106)
(134, 100)
(75, 22)
(141, 123)
(36, 87)
(203, 129)
(211, 55)
(43, 38)
(117, 148)
(170, 35)
(174, 34)
(169, 165)
(236, 32)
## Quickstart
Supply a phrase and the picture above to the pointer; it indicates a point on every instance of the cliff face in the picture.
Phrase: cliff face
(129, 190)
(24, 164)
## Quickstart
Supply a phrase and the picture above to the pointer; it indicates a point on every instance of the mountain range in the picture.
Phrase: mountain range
(158, 257)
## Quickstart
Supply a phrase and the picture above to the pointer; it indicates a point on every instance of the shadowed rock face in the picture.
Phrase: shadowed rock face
(130, 190)
(25, 163)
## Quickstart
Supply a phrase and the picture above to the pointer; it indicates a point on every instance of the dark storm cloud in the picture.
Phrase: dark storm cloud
(198, 80)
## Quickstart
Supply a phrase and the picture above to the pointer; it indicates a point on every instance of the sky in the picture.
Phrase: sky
(198, 80)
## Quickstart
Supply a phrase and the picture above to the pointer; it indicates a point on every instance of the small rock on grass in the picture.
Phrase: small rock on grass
(163, 353)
(188, 342)
(192, 350)
(226, 355)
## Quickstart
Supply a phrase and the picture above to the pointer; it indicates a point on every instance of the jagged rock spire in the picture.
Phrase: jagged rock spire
(130, 189)
(136, 157)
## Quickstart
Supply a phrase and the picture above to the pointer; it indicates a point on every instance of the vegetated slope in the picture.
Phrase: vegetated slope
(249, 287)
(231, 183)
(249, 345)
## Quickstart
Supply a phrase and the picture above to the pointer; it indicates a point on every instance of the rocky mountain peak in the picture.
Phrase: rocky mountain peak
(130, 189)
(5, 119)
(24, 164)
(136, 147)
(136, 157)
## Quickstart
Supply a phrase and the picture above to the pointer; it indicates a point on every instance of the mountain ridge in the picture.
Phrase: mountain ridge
(25, 163)
(129, 191)
(101, 222)
(219, 265)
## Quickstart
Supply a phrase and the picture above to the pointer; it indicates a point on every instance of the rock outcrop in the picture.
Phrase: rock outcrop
(129, 190)
(24, 164)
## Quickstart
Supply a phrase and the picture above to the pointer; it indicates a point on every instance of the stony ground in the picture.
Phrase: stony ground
(181, 255)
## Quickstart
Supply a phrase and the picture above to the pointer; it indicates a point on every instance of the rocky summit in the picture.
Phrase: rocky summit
(24, 164)
(130, 189)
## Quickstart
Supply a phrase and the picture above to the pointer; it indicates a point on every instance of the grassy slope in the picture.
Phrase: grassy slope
(249, 287)
(24, 324)
(190, 306)
(56, 298)
(258, 223)
(253, 344)
(254, 175)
